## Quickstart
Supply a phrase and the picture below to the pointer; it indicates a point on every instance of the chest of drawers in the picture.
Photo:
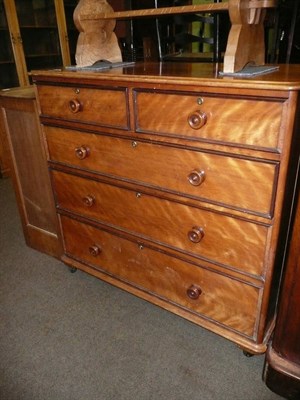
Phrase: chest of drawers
(177, 185)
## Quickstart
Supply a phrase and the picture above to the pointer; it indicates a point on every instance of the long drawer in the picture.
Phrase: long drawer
(203, 292)
(240, 121)
(103, 107)
(240, 183)
(231, 242)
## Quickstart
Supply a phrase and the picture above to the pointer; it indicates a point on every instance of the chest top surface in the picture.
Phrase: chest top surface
(287, 77)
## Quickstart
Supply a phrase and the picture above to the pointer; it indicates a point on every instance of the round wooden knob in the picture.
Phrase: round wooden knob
(193, 292)
(197, 119)
(196, 177)
(196, 234)
(82, 152)
(88, 200)
(75, 106)
(95, 250)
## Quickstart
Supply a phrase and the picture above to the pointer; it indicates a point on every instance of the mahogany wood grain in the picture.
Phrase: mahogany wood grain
(157, 273)
(134, 174)
(162, 221)
(232, 120)
(233, 181)
(80, 103)
(197, 76)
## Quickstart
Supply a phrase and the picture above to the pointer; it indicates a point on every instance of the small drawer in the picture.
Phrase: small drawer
(208, 294)
(239, 121)
(104, 107)
(243, 184)
(230, 242)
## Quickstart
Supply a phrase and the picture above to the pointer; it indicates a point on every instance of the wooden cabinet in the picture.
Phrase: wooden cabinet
(28, 169)
(33, 35)
(282, 366)
(4, 151)
(176, 184)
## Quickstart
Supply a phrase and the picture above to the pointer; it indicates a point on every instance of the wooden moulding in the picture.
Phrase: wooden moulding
(95, 20)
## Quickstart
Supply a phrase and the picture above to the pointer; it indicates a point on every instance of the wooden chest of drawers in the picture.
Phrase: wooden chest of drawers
(177, 185)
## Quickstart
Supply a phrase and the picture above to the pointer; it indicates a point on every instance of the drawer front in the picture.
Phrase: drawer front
(234, 182)
(104, 107)
(203, 234)
(164, 276)
(230, 120)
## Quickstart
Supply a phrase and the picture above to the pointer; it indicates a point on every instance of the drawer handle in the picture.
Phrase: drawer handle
(197, 119)
(194, 292)
(196, 234)
(196, 177)
(89, 200)
(82, 152)
(75, 106)
(95, 250)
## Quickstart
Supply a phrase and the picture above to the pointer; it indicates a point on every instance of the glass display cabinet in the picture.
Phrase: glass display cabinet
(34, 35)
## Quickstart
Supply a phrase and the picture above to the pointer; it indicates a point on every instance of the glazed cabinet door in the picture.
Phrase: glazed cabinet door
(12, 59)
(33, 35)
(39, 33)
